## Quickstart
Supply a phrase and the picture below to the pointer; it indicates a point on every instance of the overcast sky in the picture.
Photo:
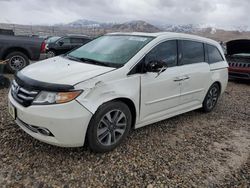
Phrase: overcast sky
(217, 12)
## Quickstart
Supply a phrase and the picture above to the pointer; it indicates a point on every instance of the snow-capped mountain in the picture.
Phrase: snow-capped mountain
(188, 28)
(140, 25)
(85, 23)
(89, 24)
(194, 28)
(136, 25)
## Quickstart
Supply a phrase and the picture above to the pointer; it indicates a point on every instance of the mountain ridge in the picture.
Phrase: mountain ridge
(163, 27)
(95, 28)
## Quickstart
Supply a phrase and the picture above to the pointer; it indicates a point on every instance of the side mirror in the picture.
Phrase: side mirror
(60, 43)
(156, 66)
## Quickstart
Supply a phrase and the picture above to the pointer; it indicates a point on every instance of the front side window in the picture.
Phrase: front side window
(52, 39)
(165, 52)
(65, 41)
(113, 50)
(191, 52)
(214, 55)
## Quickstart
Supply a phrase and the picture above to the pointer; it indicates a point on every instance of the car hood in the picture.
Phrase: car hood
(60, 70)
(241, 46)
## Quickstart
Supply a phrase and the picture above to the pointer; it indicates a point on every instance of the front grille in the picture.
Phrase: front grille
(239, 62)
(22, 95)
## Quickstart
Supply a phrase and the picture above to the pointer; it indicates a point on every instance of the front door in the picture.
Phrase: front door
(64, 45)
(160, 94)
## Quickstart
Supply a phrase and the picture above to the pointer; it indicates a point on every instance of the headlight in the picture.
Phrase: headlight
(45, 97)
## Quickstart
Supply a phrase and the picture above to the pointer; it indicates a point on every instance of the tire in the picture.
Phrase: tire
(50, 54)
(111, 120)
(211, 98)
(17, 61)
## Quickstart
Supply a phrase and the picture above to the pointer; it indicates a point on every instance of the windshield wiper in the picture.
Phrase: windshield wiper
(87, 60)
(95, 62)
(73, 58)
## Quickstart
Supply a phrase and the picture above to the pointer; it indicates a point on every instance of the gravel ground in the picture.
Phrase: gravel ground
(191, 150)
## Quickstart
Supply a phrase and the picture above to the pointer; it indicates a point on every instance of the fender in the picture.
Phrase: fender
(98, 92)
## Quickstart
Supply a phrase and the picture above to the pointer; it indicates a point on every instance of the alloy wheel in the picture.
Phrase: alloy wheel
(111, 127)
(212, 97)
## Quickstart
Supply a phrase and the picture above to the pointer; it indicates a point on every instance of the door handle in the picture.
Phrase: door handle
(178, 79)
(186, 78)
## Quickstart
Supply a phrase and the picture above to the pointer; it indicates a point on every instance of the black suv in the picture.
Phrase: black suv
(61, 45)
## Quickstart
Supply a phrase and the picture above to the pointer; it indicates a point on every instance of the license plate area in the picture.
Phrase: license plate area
(12, 110)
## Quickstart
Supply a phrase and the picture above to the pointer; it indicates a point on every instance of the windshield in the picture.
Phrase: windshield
(111, 50)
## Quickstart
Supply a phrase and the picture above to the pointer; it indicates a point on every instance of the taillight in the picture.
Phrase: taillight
(43, 47)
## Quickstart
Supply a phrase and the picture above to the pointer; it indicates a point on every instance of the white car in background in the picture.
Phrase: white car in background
(115, 83)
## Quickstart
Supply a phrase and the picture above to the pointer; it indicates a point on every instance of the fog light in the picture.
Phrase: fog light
(44, 131)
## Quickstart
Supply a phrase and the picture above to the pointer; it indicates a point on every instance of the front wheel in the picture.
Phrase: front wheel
(109, 126)
(211, 98)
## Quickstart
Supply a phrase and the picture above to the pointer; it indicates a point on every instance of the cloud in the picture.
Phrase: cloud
(218, 12)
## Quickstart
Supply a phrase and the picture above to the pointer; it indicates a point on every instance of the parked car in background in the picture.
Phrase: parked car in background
(7, 32)
(19, 50)
(115, 83)
(51, 40)
(238, 57)
(61, 45)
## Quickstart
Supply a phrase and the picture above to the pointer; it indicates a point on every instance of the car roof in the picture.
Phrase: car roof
(76, 36)
(168, 35)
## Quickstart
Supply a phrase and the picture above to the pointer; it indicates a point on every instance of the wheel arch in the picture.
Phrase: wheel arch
(219, 84)
(16, 49)
(131, 106)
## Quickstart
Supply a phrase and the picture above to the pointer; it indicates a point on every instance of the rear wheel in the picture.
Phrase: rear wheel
(17, 61)
(109, 126)
(211, 98)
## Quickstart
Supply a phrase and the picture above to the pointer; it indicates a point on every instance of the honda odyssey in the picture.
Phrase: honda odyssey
(117, 82)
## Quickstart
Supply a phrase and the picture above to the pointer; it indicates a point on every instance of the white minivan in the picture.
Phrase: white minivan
(115, 83)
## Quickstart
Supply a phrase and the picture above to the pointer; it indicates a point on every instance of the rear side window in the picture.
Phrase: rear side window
(191, 52)
(214, 54)
(76, 40)
(166, 52)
